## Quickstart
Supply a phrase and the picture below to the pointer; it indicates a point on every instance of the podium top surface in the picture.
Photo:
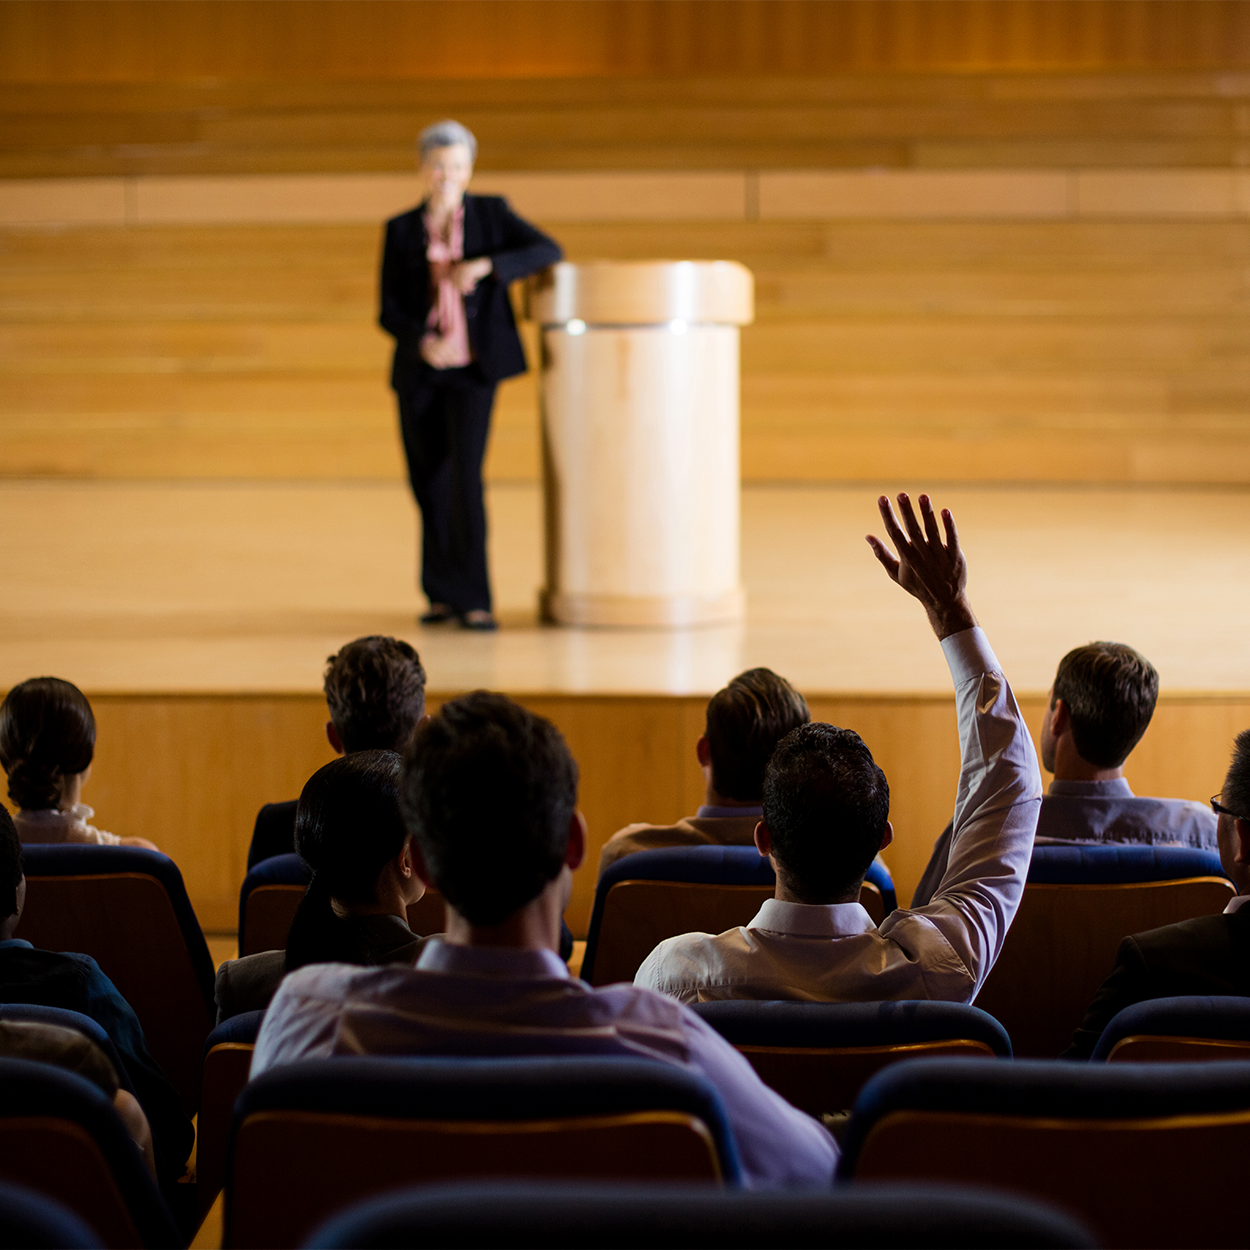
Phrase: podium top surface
(650, 292)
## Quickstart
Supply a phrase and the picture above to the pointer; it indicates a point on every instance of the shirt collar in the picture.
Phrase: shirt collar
(725, 813)
(1236, 904)
(815, 920)
(1116, 788)
(508, 963)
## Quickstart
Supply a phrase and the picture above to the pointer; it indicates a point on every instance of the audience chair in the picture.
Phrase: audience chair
(1178, 1030)
(273, 833)
(311, 1137)
(75, 1020)
(572, 1215)
(1079, 904)
(60, 1135)
(652, 895)
(128, 909)
(1145, 1154)
(818, 1055)
(227, 1059)
(272, 891)
(32, 1219)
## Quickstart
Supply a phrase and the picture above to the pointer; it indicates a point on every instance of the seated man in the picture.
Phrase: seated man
(375, 690)
(490, 797)
(75, 983)
(826, 808)
(1099, 706)
(1208, 955)
(745, 721)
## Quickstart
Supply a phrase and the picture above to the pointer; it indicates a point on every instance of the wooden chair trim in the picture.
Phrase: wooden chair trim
(276, 887)
(495, 1128)
(1166, 1039)
(1085, 886)
(903, 1049)
(691, 885)
(213, 1131)
(229, 1046)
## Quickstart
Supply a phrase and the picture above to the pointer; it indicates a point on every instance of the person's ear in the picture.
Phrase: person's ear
(1242, 829)
(576, 851)
(1060, 719)
(887, 837)
(332, 736)
(403, 861)
(419, 867)
(703, 751)
(763, 840)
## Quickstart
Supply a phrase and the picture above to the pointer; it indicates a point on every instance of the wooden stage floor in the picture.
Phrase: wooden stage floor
(246, 588)
(199, 618)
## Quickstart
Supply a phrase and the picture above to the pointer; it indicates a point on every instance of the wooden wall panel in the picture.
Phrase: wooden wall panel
(190, 772)
(364, 40)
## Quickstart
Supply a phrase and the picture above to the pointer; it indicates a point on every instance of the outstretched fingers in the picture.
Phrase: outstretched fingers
(885, 556)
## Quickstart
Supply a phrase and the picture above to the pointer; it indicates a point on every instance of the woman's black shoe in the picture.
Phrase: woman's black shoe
(439, 614)
(478, 619)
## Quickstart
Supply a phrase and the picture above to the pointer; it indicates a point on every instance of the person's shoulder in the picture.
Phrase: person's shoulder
(404, 220)
(1186, 937)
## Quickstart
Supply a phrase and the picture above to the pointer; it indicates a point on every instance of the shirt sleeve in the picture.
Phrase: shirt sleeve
(780, 1146)
(996, 810)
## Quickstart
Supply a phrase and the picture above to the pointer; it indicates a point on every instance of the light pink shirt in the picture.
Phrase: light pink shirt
(447, 320)
(69, 825)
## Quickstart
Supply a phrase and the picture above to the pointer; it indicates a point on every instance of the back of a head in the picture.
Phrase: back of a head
(47, 733)
(745, 721)
(826, 804)
(347, 828)
(375, 689)
(1236, 792)
(489, 792)
(1110, 692)
(10, 864)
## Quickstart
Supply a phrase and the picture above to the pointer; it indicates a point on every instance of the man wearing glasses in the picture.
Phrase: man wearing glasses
(1209, 955)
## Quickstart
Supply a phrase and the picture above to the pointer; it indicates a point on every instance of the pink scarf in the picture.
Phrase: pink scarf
(447, 320)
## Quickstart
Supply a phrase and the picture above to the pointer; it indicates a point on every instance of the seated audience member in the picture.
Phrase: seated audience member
(1098, 708)
(47, 741)
(1208, 955)
(826, 809)
(375, 690)
(75, 983)
(349, 831)
(745, 721)
(69, 1049)
(490, 796)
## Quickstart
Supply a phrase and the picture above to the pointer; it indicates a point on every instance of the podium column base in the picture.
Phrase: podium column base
(643, 611)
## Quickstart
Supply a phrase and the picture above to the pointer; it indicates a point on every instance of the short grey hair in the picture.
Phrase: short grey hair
(443, 135)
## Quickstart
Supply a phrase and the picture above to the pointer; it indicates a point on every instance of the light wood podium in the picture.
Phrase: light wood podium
(639, 391)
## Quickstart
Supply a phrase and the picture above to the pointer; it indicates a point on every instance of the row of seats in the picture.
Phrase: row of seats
(1123, 1144)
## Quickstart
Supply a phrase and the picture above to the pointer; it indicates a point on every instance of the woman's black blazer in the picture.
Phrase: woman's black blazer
(492, 229)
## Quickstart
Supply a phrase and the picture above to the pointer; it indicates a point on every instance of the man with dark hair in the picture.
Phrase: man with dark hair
(826, 815)
(1097, 710)
(1209, 955)
(490, 798)
(745, 721)
(375, 690)
(75, 983)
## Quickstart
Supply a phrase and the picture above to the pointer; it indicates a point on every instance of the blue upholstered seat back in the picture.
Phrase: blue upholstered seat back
(32, 1219)
(1111, 865)
(1226, 1019)
(277, 870)
(70, 1020)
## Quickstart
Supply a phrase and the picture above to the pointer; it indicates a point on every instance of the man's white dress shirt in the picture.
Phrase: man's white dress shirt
(943, 950)
(493, 1001)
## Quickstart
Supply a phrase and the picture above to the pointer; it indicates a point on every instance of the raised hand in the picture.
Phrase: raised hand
(935, 572)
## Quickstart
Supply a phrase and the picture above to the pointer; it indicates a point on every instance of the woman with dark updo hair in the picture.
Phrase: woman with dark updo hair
(47, 741)
(349, 831)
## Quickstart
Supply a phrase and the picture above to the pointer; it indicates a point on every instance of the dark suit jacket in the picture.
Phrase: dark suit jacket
(273, 833)
(492, 229)
(1209, 955)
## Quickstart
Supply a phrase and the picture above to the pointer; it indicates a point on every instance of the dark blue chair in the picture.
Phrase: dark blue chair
(652, 895)
(34, 1220)
(268, 899)
(311, 1137)
(128, 909)
(60, 1135)
(227, 1060)
(1145, 1154)
(818, 1055)
(1079, 904)
(1178, 1030)
(35, 1014)
(567, 1215)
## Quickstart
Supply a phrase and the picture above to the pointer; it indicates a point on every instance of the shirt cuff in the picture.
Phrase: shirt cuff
(969, 655)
